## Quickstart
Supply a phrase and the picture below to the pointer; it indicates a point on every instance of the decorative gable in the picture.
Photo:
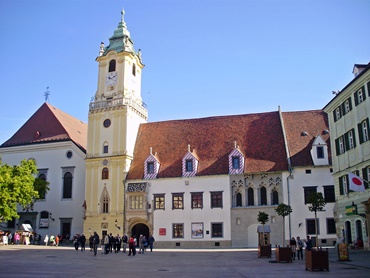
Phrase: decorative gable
(236, 161)
(189, 164)
(151, 167)
(319, 152)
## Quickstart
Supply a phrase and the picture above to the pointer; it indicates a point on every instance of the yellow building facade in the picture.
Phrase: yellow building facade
(115, 114)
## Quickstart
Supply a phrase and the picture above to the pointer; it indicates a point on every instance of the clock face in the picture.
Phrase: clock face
(111, 78)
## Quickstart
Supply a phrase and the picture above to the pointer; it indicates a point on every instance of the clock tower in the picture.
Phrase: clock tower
(115, 113)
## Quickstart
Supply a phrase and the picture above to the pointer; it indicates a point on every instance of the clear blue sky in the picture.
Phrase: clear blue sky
(202, 57)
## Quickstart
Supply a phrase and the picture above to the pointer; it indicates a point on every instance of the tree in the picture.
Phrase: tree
(283, 210)
(42, 187)
(16, 187)
(263, 218)
(316, 203)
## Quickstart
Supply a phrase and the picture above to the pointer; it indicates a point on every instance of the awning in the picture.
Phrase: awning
(27, 227)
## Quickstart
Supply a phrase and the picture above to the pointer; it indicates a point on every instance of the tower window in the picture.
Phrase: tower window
(112, 65)
(105, 147)
(105, 173)
(133, 69)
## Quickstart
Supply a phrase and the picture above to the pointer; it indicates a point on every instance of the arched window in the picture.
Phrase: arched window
(133, 69)
(238, 199)
(104, 201)
(105, 147)
(42, 177)
(250, 196)
(105, 173)
(112, 65)
(275, 198)
(263, 196)
(67, 186)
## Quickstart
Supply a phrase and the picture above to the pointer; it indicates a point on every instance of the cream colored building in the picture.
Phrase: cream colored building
(349, 119)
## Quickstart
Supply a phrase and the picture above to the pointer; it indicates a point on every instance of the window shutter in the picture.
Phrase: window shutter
(343, 108)
(355, 95)
(364, 92)
(360, 133)
(354, 137)
(334, 115)
(337, 146)
(365, 177)
(341, 191)
(368, 89)
(346, 141)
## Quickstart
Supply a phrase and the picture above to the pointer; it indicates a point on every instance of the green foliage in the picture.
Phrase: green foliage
(283, 210)
(16, 187)
(263, 217)
(316, 202)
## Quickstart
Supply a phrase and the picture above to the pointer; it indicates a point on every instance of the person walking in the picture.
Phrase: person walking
(293, 246)
(299, 248)
(124, 243)
(131, 246)
(308, 243)
(82, 240)
(103, 244)
(106, 244)
(141, 244)
(95, 242)
(151, 241)
(46, 240)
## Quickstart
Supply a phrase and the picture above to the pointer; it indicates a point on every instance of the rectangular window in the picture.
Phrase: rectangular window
(177, 200)
(320, 152)
(150, 167)
(236, 162)
(351, 140)
(197, 200)
(178, 230)
(346, 107)
(159, 201)
(105, 149)
(329, 194)
(217, 230)
(308, 190)
(189, 165)
(337, 114)
(343, 187)
(363, 131)
(310, 224)
(216, 199)
(136, 202)
(330, 226)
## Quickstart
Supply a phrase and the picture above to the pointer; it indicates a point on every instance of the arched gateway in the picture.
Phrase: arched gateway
(140, 229)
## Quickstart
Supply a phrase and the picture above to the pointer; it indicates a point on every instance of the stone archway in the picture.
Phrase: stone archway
(140, 229)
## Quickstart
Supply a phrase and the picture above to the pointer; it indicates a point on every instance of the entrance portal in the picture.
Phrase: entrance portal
(140, 229)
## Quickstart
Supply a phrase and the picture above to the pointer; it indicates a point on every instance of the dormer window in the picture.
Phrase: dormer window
(236, 161)
(319, 152)
(151, 166)
(189, 164)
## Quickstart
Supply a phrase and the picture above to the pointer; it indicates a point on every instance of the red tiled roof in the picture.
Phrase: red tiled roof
(49, 124)
(259, 137)
(314, 123)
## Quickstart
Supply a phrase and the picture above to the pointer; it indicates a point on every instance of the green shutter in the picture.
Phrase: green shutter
(334, 116)
(354, 137)
(360, 133)
(350, 103)
(368, 88)
(364, 94)
(341, 191)
(365, 176)
(355, 95)
(337, 146)
(346, 141)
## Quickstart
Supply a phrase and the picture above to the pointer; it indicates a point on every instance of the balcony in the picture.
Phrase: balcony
(119, 102)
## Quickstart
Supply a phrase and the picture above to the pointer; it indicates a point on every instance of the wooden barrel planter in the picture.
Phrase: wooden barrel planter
(317, 260)
(283, 254)
(264, 251)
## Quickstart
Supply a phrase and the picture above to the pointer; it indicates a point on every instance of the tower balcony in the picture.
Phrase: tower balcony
(117, 103)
